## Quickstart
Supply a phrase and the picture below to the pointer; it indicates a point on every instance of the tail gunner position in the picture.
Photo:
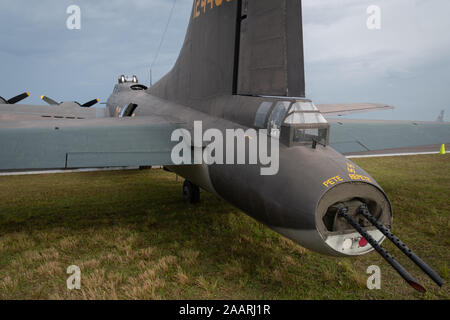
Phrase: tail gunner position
(241, 66)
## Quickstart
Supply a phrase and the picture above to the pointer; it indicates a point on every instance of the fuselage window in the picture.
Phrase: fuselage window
(128, 111)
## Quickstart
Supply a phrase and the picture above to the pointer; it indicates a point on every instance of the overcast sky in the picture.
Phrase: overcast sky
(405, 64)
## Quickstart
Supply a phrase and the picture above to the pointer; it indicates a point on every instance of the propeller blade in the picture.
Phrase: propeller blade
(49, 101)
(18, 98)
(90, 103)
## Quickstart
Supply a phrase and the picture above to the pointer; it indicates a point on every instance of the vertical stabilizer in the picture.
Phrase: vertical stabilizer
(440, 118)
(244, 47)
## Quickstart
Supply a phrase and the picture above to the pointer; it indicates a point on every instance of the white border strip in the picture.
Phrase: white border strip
(391, 155)
(23, 173)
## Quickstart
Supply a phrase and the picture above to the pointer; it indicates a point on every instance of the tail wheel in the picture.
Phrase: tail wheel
(191, 192)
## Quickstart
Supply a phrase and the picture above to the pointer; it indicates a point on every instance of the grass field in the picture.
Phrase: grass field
(134, 238)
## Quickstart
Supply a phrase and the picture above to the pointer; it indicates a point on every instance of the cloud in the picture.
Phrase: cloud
(411, 34)
(345, 61)
(40, 54)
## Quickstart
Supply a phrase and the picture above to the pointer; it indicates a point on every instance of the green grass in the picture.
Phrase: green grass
(134, 238)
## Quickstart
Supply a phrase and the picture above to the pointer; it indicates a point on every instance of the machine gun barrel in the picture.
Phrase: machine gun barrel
(343, 212)
(408, 252)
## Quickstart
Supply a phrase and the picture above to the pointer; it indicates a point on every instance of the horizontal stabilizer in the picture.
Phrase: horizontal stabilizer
(23, 112)
(347, 108)
(65, 144)
(381, 137)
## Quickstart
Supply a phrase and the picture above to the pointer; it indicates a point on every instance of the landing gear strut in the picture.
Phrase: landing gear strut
(191, 192)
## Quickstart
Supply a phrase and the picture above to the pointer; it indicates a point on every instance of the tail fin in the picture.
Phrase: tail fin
(440, 118)
(238, 47)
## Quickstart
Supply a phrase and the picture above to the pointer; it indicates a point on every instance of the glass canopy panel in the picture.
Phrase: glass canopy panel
(261, 114)
(303, 106)
(295, 118)
(277, 117)
(305, 118)
(308, 135)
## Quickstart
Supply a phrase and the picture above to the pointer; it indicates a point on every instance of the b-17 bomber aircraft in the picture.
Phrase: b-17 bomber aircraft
(240, 72)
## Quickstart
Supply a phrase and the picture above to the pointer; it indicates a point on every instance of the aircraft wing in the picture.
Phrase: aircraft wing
(343, 109)
(371, 137)
(20, 112)
(67, 143)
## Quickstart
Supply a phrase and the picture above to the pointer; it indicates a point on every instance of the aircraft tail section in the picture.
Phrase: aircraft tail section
(440, 118)
(238, 47)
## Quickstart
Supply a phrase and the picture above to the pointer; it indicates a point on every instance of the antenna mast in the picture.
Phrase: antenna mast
(151, 78)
